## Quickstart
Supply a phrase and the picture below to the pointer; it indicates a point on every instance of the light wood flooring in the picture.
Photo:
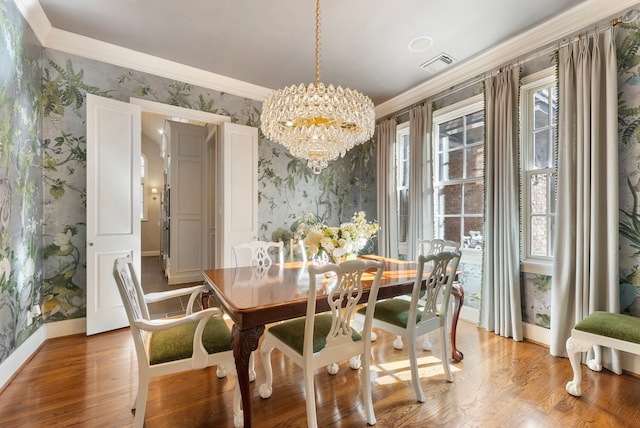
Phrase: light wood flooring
(80, 381)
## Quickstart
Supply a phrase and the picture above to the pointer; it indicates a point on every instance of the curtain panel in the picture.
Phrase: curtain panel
(420, 194)
(386, 189)
(500, 310)
(585, 269)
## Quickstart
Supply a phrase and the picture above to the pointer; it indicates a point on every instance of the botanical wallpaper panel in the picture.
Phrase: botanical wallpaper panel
(20, 180)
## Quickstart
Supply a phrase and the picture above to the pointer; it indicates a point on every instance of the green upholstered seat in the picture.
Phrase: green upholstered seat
(177, 343)
(616, 326)
(393, 311)
(292, 332)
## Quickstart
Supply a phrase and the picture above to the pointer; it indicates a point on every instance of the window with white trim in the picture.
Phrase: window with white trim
(538, 104)
(402, 185)
(459, 173)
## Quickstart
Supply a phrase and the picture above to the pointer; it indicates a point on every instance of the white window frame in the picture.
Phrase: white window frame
(446, 114)
(402, 131)
(530, 84)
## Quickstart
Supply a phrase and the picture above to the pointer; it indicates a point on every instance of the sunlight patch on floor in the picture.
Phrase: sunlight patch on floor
(400, 371)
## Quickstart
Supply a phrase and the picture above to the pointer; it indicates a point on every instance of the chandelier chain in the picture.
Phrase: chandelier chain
(317, 41)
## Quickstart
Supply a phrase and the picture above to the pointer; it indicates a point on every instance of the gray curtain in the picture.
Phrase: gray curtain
(387, 207)
(420, 199)
(585, 268)
(500, 305)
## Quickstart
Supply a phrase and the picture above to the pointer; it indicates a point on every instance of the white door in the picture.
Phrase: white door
(237, 190)
(113, 205)
(189, 183)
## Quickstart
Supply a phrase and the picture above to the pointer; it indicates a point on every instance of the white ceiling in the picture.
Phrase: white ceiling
(250, 47)
(271, 43)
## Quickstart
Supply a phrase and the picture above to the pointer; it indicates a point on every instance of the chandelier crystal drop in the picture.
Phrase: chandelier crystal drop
(317, 122)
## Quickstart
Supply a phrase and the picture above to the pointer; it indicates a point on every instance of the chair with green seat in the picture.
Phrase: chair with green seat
(407, 318)
(166, 346)
(428, 247)
(320, 340)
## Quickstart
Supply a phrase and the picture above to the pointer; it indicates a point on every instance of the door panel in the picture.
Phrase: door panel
(113, 205)
(237, 190)
(188, 179)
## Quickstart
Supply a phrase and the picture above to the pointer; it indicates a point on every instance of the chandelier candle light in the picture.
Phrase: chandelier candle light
(317, 122)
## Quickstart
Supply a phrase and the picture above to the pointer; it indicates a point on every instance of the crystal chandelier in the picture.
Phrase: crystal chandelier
(317, 122)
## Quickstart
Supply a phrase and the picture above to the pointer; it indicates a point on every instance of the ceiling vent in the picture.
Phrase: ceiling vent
(438, 63)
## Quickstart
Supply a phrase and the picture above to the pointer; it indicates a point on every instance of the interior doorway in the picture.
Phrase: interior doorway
(154, 234)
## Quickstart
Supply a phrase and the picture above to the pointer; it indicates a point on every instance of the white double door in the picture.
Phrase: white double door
(114, 207)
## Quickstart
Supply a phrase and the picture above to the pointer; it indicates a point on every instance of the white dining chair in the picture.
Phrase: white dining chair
(410, 320)
(260, 255)
(172, 345)
(428, 247)
(320, 340)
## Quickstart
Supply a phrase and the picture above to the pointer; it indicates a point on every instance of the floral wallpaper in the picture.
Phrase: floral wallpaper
(43, 189)
(20, 180)
(628, 44)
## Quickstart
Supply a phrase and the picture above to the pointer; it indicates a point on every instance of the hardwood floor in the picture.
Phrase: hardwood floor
(80, 381)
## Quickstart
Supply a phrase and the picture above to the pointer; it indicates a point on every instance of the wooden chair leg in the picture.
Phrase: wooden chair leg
(457, 291)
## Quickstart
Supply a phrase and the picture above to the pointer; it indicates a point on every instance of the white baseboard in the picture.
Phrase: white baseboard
(630, 363)
(20, 356)
(470, 314)
(24, 352)
(150, 253)
(536, 333)
(66, 328)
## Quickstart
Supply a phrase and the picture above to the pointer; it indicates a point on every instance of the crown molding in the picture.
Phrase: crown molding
(106, 52)
(53, 38)
(549, 32)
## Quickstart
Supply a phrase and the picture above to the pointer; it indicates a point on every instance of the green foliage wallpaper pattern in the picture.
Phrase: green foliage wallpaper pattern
(20, 180)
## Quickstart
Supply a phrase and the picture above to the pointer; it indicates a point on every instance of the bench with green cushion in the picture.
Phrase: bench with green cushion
(616, 331)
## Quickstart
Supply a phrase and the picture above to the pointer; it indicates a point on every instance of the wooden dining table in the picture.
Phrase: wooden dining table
(256, 296)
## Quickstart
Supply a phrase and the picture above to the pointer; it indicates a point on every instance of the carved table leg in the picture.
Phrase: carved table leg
(244, 343)
(458, 293)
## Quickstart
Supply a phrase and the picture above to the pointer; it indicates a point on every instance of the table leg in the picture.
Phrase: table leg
(244, 343)
(458, 293)
(204, 299)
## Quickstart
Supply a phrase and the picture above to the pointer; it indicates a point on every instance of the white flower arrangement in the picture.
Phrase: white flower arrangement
(345, 241)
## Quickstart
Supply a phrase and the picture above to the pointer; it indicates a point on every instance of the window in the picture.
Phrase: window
(538, 97)
(458, 173)
(143, 194)
(402, 185)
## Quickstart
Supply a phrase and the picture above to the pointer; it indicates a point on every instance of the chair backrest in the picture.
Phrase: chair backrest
(132, 298)
(434, 246)
(344, 291)
(259, 253)
(440, 272)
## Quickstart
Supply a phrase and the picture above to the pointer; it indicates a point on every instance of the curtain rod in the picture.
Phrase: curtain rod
(627, 17)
